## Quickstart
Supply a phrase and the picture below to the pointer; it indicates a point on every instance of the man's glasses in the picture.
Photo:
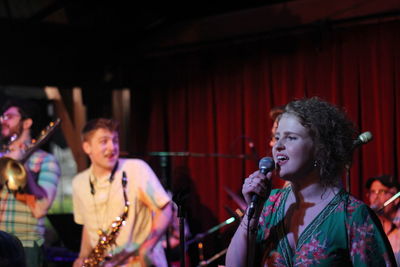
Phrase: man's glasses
(8, 116)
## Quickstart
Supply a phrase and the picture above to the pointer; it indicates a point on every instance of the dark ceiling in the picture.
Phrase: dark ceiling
(105, 23)
(74, 41)
(112, 17)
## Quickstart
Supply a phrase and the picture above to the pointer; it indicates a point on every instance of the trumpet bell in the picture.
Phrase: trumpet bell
(13, 174)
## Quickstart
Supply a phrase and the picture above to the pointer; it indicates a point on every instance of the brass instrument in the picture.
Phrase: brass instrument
(107, 239)
(12, 172)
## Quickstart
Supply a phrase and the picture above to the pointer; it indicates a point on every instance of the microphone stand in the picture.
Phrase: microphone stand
(348, 177)
(253, 151)
(179, 198)
(181, 216)
(166, 183)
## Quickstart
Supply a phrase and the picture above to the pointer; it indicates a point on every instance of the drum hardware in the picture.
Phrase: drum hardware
(238, 200)
(201, 236)
(390, 200)
(213, 258)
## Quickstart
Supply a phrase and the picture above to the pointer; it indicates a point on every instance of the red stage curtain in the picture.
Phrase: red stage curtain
(217, 100)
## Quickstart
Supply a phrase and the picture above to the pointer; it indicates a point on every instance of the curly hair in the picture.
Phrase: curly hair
(332, 133)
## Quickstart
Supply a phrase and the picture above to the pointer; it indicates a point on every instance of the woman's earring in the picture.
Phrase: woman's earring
(315, 164)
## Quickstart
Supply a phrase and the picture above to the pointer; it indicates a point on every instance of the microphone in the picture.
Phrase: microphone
(265, 165)
(363, 138)
(253, 149)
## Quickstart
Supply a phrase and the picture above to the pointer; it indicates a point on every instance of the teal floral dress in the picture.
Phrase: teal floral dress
(345, 233)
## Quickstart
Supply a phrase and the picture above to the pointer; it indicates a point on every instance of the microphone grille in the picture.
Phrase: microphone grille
(365, 137)
(266, 163)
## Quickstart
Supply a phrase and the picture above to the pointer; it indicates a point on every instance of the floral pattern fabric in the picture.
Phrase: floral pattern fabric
(346, 233)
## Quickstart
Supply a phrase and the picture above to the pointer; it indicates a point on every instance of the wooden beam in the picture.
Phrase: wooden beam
(121, 108)
(71, 133)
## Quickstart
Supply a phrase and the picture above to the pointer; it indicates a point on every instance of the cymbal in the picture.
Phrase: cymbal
(238, 200)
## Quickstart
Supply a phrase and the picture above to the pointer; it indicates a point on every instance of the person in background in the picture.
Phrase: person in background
(313, 221)
(275, 115)
(22, 212)
(102, 193)
(381, 189)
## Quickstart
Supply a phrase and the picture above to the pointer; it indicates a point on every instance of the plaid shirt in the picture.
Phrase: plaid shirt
(15, 216)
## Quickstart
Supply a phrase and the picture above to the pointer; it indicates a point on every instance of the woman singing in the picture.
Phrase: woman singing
(313, 221)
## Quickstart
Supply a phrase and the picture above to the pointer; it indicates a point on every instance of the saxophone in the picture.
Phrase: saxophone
(107, 239)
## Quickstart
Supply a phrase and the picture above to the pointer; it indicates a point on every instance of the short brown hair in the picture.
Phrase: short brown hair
(100, 123)
(275, 112)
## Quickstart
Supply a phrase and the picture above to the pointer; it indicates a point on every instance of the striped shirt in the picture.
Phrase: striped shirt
(15, 215)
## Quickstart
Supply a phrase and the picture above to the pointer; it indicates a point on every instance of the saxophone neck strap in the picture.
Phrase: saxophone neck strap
(110, 179)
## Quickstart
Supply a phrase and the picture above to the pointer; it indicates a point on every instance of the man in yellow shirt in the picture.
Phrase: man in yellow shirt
(98, 199)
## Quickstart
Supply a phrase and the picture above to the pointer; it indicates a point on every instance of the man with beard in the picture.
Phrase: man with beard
(22, 211)
(381, 189)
